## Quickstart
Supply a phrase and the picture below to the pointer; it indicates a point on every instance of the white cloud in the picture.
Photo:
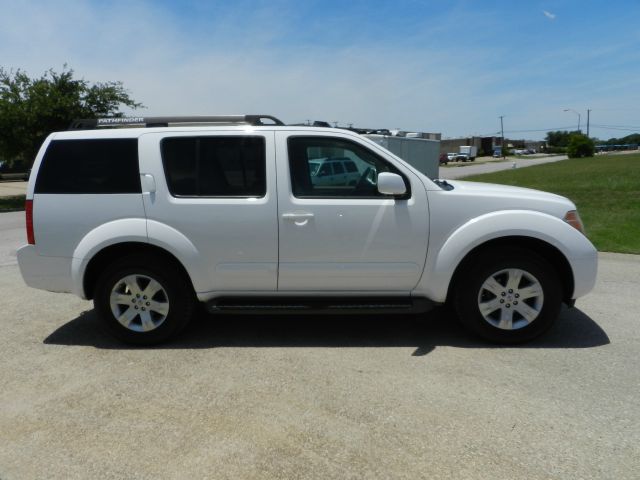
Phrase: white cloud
(232, 64)
(549, 15)
(164, 69)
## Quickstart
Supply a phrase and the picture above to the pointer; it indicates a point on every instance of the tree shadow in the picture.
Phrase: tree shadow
(574, 329)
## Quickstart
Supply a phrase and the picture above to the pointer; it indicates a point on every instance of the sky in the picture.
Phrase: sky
(419, 65)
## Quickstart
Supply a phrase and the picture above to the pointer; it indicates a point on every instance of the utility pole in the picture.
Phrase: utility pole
(588, 111)
(502, 134)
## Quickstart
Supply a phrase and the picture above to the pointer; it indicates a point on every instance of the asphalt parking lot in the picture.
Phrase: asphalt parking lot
(317, 397)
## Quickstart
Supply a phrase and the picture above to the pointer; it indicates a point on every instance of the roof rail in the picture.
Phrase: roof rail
(148, 122)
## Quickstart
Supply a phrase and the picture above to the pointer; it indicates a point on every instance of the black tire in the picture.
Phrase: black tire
(469, 293)
(175, 289)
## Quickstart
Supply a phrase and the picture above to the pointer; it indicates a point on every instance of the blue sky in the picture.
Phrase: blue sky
(450, 67)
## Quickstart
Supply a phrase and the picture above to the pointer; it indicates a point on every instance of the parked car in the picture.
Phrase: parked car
(149, 221)
(17, 171)
(444, 159)
(334, 172)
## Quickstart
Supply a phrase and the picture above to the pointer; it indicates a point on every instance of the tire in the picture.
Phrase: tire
(508, 295)
(152, 297)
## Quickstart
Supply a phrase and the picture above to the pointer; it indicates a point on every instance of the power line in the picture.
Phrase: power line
(629, 128)
(540, 129)
(619, 127)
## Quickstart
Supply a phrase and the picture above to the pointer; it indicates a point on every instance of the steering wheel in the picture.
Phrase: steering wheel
(364, 179)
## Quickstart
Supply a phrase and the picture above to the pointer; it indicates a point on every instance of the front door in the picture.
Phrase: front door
(344, 235)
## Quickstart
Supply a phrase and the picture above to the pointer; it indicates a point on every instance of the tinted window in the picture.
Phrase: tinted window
(90, 166)
(325, 170)
(360, 180)
(351, 167)
(215, 166)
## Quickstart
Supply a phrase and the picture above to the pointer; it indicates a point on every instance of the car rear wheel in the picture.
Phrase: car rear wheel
(508, 296)
(144, 300)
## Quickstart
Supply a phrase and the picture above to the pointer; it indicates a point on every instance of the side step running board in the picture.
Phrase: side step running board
(318, 305)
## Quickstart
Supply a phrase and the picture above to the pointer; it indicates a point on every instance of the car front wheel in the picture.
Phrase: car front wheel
(509, 296)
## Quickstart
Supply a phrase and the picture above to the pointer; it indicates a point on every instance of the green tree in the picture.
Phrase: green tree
(31, 108)
(559, 138)
(580, 146)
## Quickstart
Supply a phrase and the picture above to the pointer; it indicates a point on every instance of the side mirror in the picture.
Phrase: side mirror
(391, 184)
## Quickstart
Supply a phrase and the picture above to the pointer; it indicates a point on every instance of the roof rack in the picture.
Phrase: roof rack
(148, 122)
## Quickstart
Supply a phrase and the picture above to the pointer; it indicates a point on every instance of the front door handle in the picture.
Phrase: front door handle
(299, 218)
(297, 215)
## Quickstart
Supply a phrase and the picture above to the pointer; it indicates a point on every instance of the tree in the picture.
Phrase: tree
(31, 108)
(632, 139)
(580, 146)
(559, 138)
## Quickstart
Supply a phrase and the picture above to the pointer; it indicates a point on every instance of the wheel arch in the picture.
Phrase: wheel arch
(112, 252)
(547, 251)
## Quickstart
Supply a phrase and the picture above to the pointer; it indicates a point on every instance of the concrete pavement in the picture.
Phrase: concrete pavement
(11, 188)
(468, 169)
(317, 397)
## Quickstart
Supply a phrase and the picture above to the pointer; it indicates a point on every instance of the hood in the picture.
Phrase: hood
(476, 198)
(504, 190)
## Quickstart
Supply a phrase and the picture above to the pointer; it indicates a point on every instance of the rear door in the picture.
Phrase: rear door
(217, 190)
(345, 236)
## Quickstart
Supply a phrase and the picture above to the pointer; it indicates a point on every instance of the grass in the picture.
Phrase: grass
(8, 204)
(606, 190)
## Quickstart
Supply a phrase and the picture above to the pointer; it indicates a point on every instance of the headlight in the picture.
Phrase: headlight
(573, 219)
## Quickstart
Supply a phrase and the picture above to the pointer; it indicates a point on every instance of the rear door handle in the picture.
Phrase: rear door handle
(148, 183)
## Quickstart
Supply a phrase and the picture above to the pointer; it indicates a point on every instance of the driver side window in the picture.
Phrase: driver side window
(334, 167)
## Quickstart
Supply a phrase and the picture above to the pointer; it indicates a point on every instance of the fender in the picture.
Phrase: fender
(135, 230)
(443, 260)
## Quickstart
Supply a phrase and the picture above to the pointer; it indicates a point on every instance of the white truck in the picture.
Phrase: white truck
(224, 211)
(467, 153)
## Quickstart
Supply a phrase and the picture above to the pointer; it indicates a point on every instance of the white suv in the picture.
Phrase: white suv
(334, 172)
(225, 211)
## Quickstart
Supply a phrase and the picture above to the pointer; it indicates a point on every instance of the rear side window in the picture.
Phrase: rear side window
(90, 166)
(215, 166)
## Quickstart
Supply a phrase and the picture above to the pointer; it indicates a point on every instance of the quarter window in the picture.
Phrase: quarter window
(355, 168)
(215, 166)
(90, 166)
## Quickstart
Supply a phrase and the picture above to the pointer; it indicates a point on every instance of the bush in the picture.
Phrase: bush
(556, 150)
(580, 146)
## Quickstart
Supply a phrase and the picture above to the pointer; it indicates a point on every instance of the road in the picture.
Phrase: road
(460, 170)
(8, 189)
(317, 397)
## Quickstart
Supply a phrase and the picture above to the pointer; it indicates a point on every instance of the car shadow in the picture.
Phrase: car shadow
(574, 329)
